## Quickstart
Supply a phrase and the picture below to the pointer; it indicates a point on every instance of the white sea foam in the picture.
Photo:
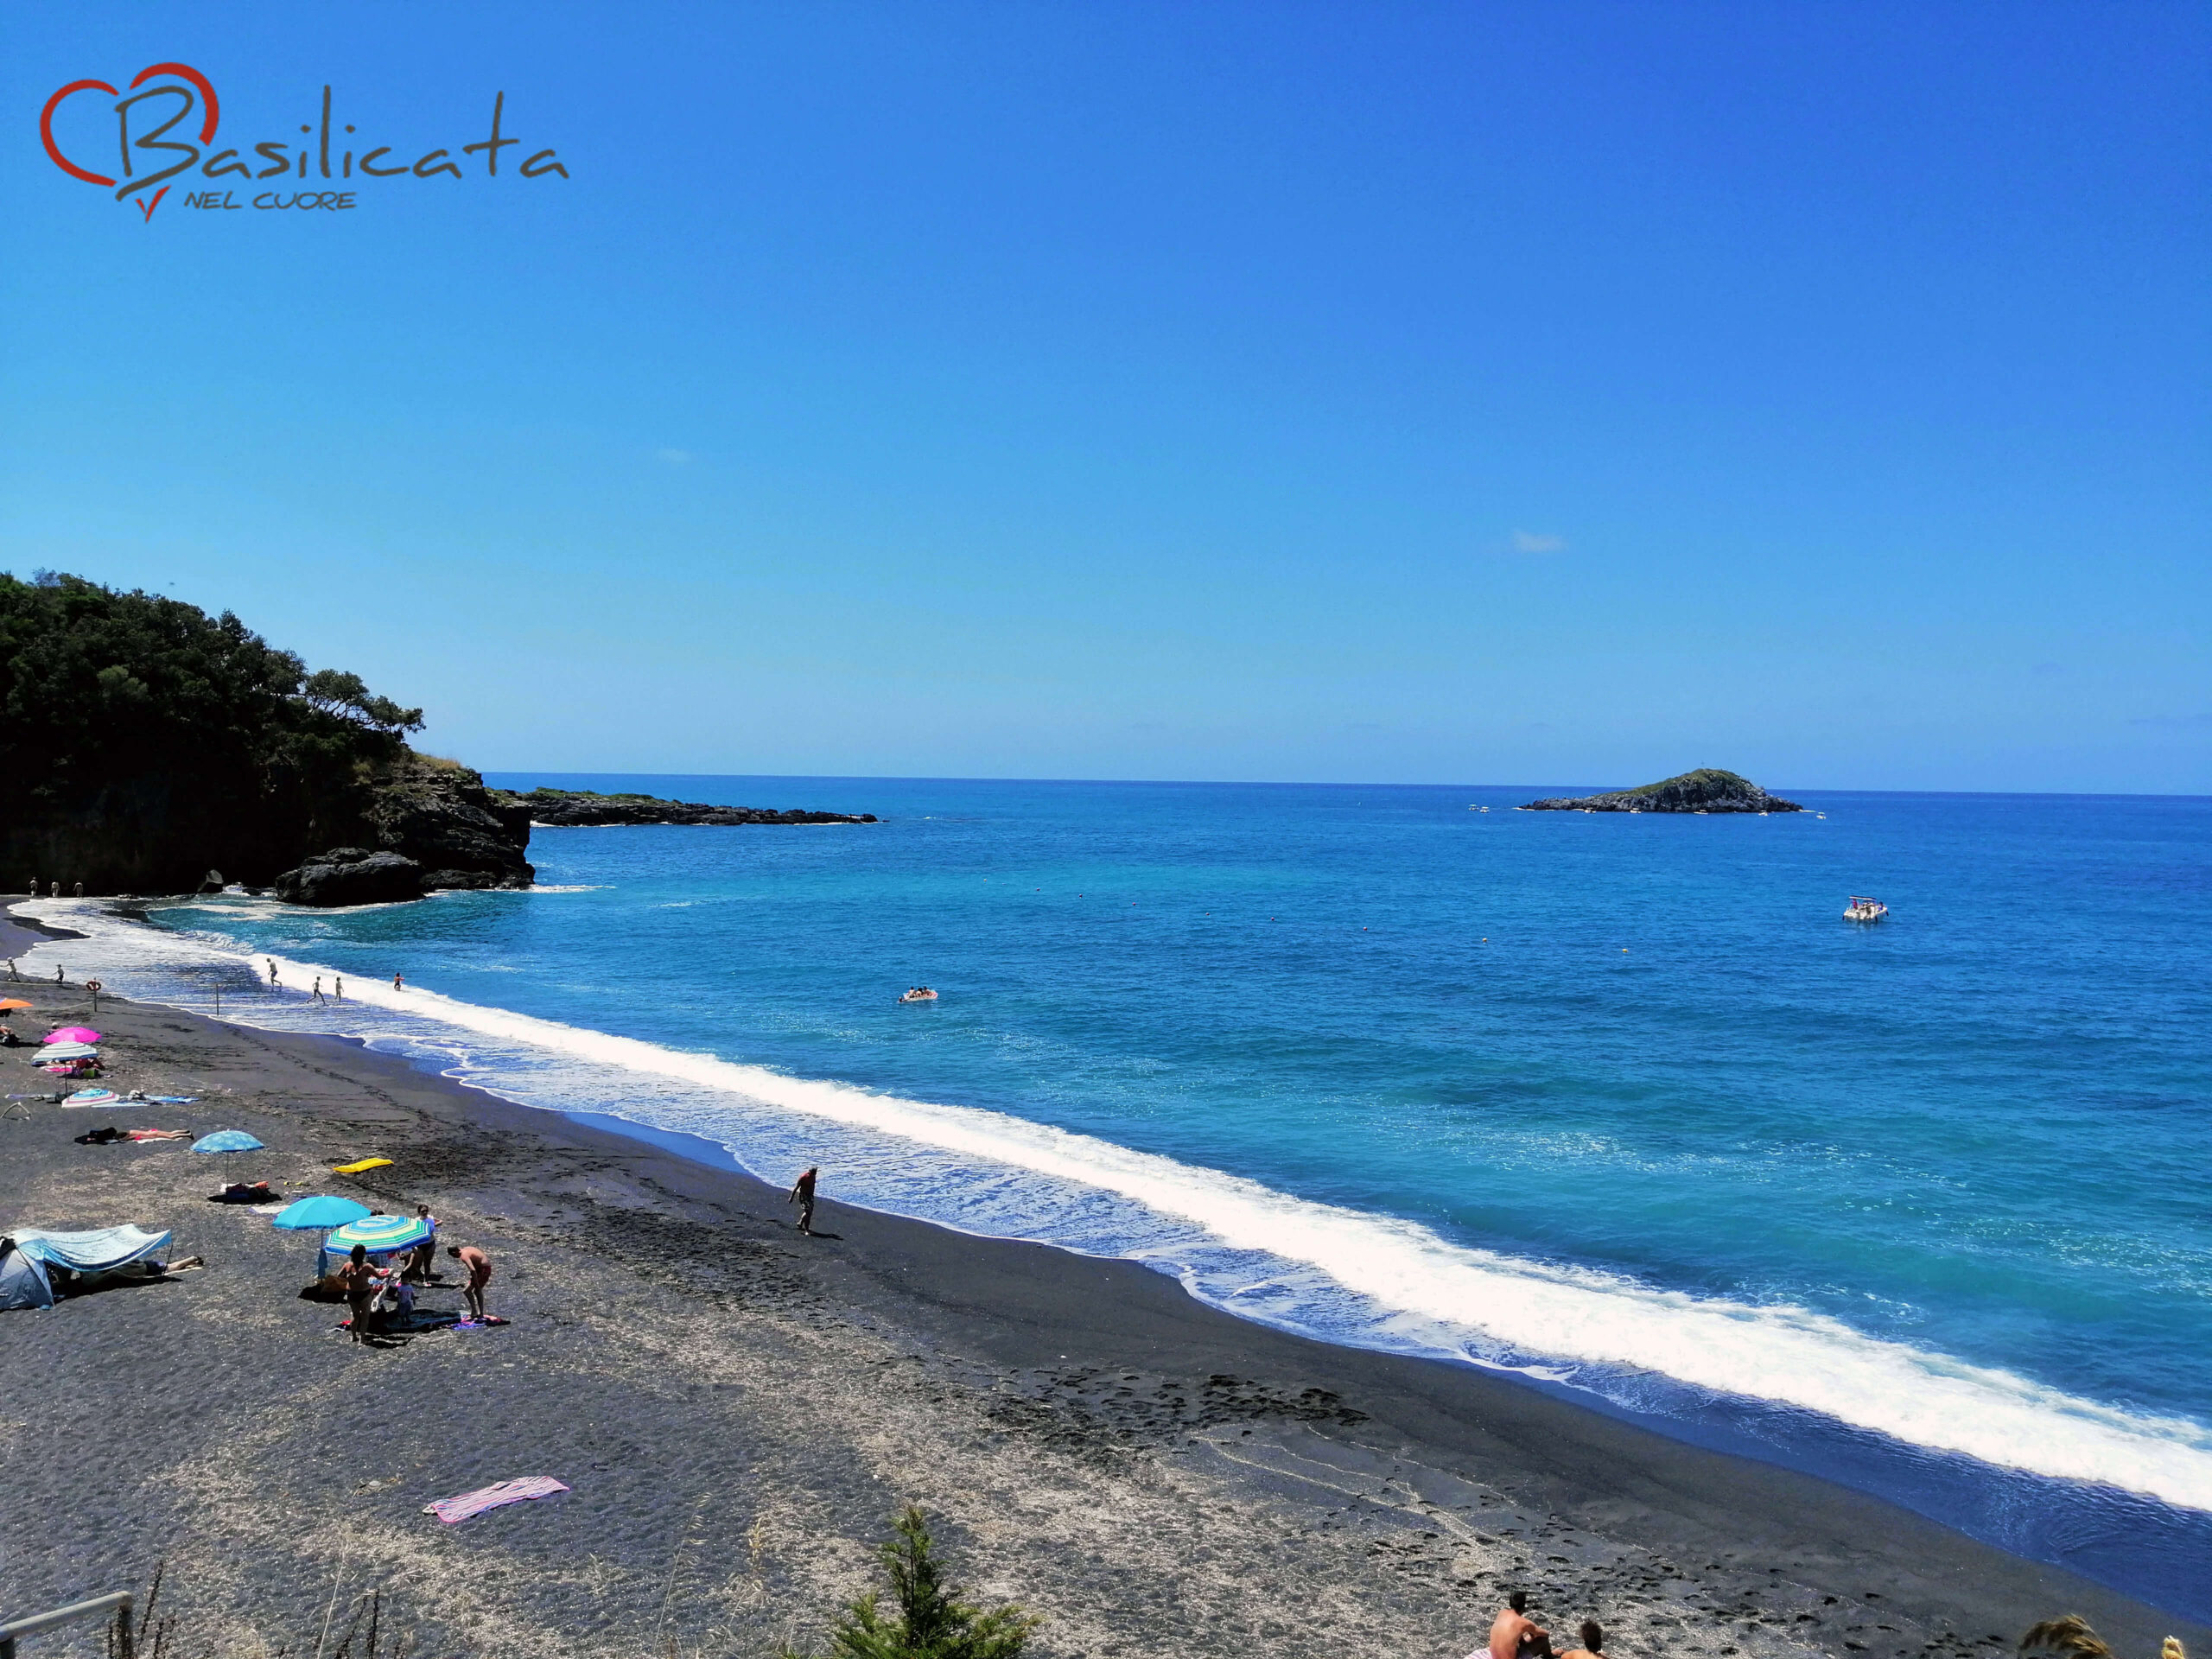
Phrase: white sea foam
(1338, 1273)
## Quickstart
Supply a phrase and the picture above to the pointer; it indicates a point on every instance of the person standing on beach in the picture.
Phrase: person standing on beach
(359, 1285)
(272, 973)
(1514, 1635)
(802, 1194)
(338, 988)
(395, 984)
(424, 1255)
(318, 988)
(479, 1275)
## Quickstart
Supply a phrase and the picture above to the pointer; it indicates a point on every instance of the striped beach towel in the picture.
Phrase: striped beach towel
(450, 1509)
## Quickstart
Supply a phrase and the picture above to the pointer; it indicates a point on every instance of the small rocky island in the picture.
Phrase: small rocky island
(1707, 790)
(561, 808)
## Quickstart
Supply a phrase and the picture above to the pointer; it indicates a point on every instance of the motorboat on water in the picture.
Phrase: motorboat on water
(920, 993)
(1865, 910)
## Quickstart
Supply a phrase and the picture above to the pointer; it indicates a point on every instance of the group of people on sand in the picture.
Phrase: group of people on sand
(1514, 1635)
(375, 1294)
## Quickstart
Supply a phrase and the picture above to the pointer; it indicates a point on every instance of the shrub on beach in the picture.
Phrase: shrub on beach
(930, 1621)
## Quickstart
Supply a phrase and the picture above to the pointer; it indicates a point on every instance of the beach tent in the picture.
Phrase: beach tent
(381, 1236)
(226, 1140)
(103, 1250)
(22, 1279)
(325, 1210)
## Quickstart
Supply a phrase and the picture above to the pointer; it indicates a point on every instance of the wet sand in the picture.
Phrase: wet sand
(738, 1408)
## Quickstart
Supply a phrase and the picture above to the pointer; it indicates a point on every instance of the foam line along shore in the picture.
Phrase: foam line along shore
(1972, 1446)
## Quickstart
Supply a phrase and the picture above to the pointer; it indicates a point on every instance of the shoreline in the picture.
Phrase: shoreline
(1402, 1457)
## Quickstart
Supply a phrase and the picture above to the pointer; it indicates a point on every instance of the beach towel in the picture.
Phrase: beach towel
(356, 1168)
(450, 1509)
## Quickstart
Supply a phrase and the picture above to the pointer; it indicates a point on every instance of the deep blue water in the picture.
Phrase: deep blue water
(1618, 1100)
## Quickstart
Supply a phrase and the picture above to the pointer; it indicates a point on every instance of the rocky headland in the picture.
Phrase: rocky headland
(1707, 790)
(156, 749)
(575, 808)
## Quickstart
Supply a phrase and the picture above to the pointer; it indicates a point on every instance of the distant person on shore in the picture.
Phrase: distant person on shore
(1514, 1635)
(479, 1275)
(318, 988)
(802, 1194)
(1594, 1642)
(338, 988)
(358, 1280)
(80, 890)
(397, 983)
(54, 889)
(272, 972)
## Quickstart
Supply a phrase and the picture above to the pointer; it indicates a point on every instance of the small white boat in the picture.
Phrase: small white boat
(920, 993)
(1865, 910)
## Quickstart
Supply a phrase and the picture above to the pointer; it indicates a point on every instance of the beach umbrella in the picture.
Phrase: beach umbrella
(72, 1034)
(326, 1209)
(380, 1234)
(9, 1004)
(226, 1140)
(64, 1052)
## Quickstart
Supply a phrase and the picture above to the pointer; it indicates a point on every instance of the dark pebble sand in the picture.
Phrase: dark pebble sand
(738, 1409)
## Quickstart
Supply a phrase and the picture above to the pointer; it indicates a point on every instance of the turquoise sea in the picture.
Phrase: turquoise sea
(1618, 1103)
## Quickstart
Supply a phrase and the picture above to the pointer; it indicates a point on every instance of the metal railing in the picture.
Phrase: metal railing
(118, 1600)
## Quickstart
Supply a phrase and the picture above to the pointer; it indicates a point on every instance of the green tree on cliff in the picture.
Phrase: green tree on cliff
(147, 741)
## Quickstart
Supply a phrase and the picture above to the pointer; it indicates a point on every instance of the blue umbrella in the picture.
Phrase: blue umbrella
(324, 1210)
(226, 1140)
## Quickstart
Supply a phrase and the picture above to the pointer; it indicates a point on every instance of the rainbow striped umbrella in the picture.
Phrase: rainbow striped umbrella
(381, 1235)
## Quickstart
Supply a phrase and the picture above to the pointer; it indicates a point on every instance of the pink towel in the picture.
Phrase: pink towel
(450, 1509)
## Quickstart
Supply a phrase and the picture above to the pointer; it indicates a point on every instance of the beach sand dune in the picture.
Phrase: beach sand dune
(738, 1409)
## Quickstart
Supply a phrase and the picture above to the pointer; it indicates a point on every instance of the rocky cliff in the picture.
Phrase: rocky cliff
(423, 822)
(570, 808)
(1707, 790)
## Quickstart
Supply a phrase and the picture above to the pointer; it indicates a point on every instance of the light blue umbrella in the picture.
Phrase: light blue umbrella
(226, 1140)
(324, 1210)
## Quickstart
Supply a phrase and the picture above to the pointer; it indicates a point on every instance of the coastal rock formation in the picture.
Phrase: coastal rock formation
(148, 745)
(1707, 790)
(351, 875)
(570, 808)
(439, 814)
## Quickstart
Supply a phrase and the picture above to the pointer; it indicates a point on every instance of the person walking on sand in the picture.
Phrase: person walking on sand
(1514, 1635)
(272, 973)
(479, 1275)
(358, 1282)
(802, 1194)
(318, 988)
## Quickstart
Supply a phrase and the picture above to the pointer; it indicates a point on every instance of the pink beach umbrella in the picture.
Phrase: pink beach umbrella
(72, 1034)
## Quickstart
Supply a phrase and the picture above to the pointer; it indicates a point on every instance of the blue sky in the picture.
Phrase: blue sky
(1548, 394)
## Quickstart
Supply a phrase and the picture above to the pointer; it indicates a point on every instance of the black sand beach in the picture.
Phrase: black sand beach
(738, 1408)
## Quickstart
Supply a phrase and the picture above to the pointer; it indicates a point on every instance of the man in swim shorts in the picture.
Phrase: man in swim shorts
(802, 1194)
(1514, 1635)
(479, 1275)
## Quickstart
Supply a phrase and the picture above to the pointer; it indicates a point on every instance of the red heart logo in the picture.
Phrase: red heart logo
(182, 70)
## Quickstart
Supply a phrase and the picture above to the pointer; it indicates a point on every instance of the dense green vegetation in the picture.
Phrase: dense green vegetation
(1704, 780)
(146, 741)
